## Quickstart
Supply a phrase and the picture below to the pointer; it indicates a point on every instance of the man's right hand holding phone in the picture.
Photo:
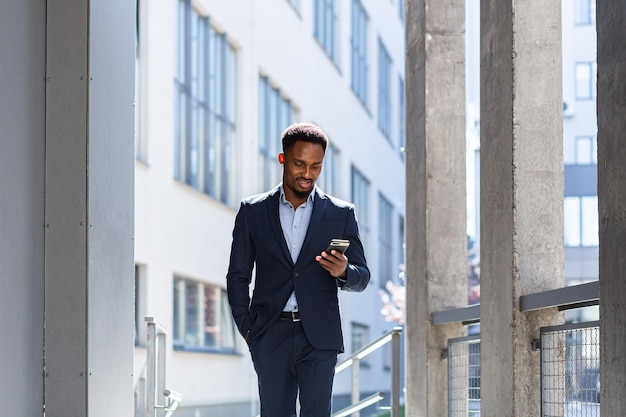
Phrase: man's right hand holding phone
(333, 259)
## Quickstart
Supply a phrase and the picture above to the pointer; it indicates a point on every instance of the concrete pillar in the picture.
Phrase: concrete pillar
(436, 208)
(89, 175)
(611, 20)
(521, 195)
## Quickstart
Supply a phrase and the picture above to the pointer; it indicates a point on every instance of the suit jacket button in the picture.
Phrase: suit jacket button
(295, 274)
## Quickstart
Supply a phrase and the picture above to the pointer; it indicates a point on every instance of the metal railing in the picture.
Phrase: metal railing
(569, 387)
(464, 376)
(353, 362)
(570, 370)
(152, 399)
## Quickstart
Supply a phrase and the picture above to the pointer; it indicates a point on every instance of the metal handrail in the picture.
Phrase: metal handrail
(157, 401)
(574, 296)
(353, 361)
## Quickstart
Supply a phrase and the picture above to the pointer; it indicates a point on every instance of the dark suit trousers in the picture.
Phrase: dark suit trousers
(285, 362)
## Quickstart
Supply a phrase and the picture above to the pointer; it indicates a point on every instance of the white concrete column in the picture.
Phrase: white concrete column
(89, 175)
(521, 195)
(436, 208)
(611, 20)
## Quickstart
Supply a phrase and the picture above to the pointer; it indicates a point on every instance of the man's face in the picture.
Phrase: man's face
(302, 166)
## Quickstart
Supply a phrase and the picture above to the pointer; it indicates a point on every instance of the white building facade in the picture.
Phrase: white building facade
(217, 82)
(579, 135)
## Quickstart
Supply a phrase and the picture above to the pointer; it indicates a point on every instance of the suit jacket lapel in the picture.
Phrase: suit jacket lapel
(319, 205)
(274, 220)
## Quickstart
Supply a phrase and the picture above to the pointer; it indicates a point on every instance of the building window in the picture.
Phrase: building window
(202, 318)
(358, 44)
(384, 90)
(360, 336)
(325, 27)
(585, 12)
(401, 125)
(401, 249)
(585, 80)
(275, 113)
(586, 150)
(206, 90)
(581, 221)
(385, 245)
(328, 179)
(360, 198)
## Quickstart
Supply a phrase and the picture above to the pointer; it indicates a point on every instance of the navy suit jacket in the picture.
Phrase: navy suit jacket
(258, 241)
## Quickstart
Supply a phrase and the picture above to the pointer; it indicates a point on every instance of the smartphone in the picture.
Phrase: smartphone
(340, 245)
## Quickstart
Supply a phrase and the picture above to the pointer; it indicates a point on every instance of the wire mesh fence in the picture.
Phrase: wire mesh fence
(464, 377)
(570, 370)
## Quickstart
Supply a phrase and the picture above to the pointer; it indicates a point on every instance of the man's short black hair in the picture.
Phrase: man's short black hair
(306, 132)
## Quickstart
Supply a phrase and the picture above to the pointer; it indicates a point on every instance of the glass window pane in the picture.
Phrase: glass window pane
(384, 83)
(275, 114)
(594, 151)
(192, 314)
(359, 51)
(179, 317)
(590, 221)
(360, 336)
(227, 332)
(210, 319)
(571, 214)
(585, 12)
(385, 249)
(360, 198)
(583, 80)
(327, 179)
(583, 150)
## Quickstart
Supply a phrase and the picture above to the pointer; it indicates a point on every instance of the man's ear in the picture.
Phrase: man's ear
(281, 158)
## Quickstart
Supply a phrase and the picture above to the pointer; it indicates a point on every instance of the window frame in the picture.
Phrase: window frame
(359, 194)
(385, 241)
(364, 335)
(226, 330)
(592, 151)
(359, 71)
(276, 112)
(384, 90)
(401, 118)
(580, 221)
(205, 106)
(328, 179)
(584, 87)
(325, 28)
(589, 16)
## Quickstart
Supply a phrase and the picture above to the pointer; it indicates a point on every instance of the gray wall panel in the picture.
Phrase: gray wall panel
(111, 174)
(89, 208)
(21, 210)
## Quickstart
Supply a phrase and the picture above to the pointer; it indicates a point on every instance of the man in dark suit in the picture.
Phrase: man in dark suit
(292, 324)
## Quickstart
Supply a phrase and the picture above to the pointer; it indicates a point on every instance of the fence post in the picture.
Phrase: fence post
(356, 396)
(395, 373)
(150, 367)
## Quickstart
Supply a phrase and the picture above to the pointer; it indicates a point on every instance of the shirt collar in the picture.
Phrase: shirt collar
(283, 199)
